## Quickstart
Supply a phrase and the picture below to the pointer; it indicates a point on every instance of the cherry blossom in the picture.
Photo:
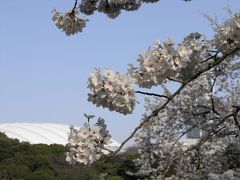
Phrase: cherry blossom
(112, 90)
(86, 143)
(70, 23)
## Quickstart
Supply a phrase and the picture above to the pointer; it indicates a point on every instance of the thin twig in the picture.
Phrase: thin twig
(211, 57)
(209, 108)
(235, 116)
(174, 80)
(75, 5)
(152, 94)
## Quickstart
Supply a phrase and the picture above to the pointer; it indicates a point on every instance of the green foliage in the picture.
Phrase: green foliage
(114, 178)
(42, 174)
(23, 161)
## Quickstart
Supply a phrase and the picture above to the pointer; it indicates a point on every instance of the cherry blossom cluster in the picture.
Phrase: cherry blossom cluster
(155, 65)
(112, 8)
(228, 34)
(112, 90)
(163, 61)
(119, 1)
(69, 22)
(86, 143)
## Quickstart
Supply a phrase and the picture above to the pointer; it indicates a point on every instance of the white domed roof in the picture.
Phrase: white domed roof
(44, 133)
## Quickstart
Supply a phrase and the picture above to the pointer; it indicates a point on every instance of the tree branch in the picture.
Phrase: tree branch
(174, 80)
(213, 56)
(155, 112)
(152, 94)
(235, 116)
(75, 5)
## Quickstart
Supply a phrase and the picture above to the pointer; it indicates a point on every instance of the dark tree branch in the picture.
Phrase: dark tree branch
(152, 94)
(209, 108)
(75, 5)
(174, 80)
(201, 113)
(211, 57)
(235, 116)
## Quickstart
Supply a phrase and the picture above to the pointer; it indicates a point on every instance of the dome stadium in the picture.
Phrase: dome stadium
(42, 133)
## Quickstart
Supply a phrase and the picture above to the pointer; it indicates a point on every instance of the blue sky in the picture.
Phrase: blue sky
(43, 73)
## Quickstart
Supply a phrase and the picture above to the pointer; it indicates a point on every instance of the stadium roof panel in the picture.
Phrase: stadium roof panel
(41, 133)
